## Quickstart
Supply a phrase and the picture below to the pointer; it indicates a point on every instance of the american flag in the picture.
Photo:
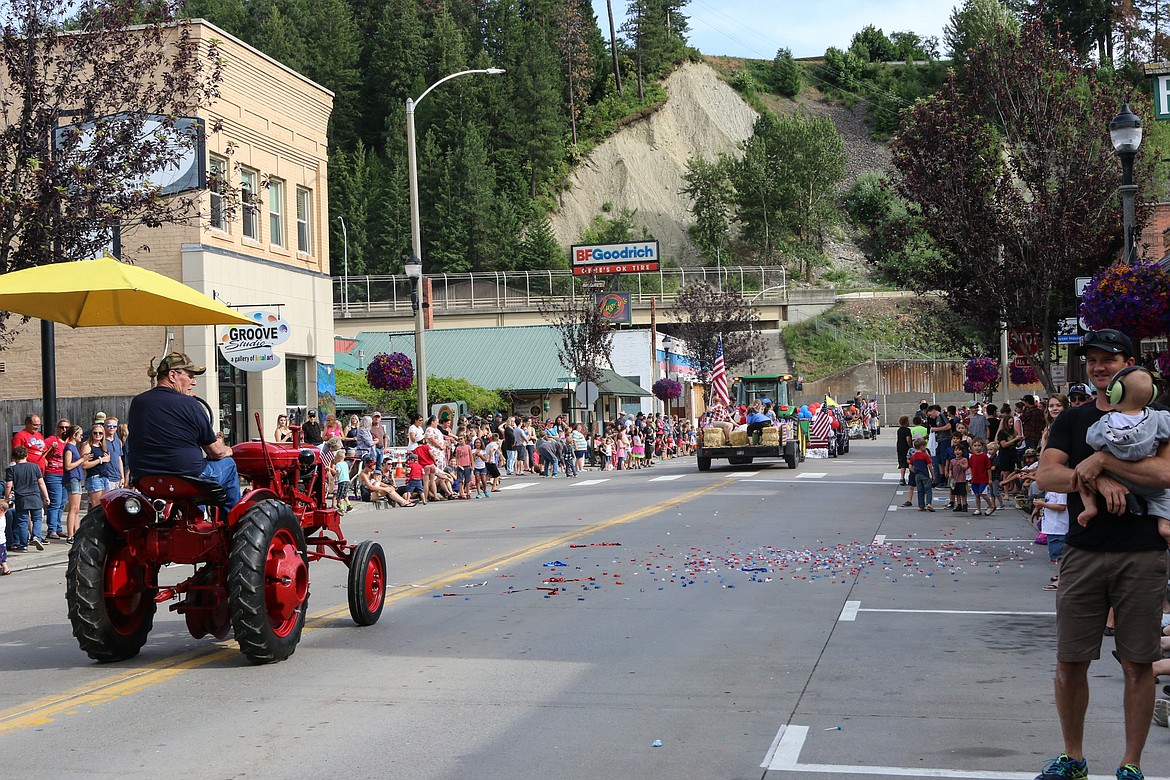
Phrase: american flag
(719, 376)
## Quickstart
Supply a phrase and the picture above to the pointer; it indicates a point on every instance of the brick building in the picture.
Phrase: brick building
(272, 257)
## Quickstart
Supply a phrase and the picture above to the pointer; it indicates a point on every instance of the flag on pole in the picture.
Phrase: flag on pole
(719, 376)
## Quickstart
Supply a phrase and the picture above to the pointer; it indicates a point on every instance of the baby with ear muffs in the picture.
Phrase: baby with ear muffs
(1131, 431)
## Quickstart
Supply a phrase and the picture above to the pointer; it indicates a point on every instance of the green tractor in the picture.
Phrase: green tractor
(792, 441)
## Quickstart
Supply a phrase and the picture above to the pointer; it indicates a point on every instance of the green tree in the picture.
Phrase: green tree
(539, 248)
(870, 44)
(787, 78)
(974, 22)
(395, 64)
(709, 187)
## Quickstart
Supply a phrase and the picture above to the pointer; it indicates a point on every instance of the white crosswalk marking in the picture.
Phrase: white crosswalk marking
(812, 475)
(891, 475)
(517, 486)
(584, 482)
(667, 478)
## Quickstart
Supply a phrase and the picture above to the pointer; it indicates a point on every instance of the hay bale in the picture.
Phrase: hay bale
(770, 437)
(713, 437)
(739, 438)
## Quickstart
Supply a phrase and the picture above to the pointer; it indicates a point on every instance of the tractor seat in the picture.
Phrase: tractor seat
(172, 487)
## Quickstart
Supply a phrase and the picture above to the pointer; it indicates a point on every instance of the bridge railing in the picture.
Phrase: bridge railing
(360, 296)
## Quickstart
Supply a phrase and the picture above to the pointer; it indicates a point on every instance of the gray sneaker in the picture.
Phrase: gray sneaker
(1162, 713)
(37, 543)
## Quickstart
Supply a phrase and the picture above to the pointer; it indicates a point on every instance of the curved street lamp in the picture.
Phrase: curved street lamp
(1125, 131)
(414, 264)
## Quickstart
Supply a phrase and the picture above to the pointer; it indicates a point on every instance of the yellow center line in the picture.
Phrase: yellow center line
(46, 709)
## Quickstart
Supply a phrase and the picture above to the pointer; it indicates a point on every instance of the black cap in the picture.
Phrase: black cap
(1081, 389)
(1106, 339)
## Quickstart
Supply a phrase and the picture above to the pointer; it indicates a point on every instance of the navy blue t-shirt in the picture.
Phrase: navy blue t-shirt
(168, 431)
(1105, 532)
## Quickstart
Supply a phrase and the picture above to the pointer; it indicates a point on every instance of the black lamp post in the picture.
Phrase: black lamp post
(1125, 131)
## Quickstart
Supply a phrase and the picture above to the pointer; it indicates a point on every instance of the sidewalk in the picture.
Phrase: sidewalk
(56, 552)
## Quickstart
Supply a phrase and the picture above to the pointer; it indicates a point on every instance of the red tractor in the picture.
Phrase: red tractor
(251, 564)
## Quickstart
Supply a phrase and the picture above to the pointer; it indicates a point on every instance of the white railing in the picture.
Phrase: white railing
(497, 290)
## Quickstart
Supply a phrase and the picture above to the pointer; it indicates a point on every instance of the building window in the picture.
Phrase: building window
(249, 203)
(304, 210)
(276, 212)
(295, 381)
(216, 184)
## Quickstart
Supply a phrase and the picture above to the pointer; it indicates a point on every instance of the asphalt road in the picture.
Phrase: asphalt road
(753, 621)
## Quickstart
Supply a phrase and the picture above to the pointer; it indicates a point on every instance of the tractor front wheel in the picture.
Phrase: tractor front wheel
(110, 607)
(268, 582)
(367, 583)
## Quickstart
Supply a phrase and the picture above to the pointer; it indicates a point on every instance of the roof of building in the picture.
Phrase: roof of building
(518, 359)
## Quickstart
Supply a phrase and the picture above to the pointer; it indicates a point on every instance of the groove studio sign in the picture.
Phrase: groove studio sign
(249, 347)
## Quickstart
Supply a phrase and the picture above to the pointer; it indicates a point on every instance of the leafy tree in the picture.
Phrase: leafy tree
(842, 68)
(75, 134)
(975, 22)
(585, 337)
(786, 183)
(1088, 24)
(656, 31)
(909, 47)
(702, 314)
(787, 78)
(1013, 172)
(711, 193)
(610, 230)
(871, 45)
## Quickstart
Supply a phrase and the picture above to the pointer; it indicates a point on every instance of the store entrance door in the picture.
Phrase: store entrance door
(233, 401)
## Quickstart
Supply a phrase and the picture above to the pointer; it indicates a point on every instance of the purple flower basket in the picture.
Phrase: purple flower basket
(1134, 299)
(390, 371)
(666, 389)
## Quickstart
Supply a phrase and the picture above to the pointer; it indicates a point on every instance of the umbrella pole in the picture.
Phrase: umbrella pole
(48, 376)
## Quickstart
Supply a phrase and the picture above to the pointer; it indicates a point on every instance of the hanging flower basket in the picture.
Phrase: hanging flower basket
(666, 389)
(1024, 375)
(983, 371)
(390, 371)
(973, 387)
(1134, 299)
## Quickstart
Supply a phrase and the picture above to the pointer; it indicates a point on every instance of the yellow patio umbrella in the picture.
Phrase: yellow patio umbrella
(105, 291)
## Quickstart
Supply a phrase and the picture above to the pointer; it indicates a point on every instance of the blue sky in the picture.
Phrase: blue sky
(757, 28)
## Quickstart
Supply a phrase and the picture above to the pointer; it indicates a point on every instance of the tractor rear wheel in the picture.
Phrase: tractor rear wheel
(704, 464)
(268, 582)
(110, 607)
(367, 583)
(790, 454)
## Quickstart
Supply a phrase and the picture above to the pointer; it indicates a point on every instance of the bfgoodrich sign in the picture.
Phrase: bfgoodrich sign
(249, 347)
(630, 257)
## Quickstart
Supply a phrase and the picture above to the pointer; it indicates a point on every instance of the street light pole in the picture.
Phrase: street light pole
(345, 278)
(1125, 131)
(414, 264)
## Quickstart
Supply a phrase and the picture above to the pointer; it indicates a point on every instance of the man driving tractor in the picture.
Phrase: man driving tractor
(170, 431)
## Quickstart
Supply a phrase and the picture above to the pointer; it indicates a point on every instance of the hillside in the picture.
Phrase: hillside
(641, 166)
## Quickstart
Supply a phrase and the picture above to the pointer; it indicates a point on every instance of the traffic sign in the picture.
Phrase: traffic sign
(1025, 341)
(1068, 338)
(1081, 283)
(1059, 373)
(587, 393)
(567, 379)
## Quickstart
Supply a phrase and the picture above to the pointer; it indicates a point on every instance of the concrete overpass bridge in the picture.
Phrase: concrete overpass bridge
(512, 298)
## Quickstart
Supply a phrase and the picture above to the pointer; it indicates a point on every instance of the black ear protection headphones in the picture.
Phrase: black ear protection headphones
(1115, 391)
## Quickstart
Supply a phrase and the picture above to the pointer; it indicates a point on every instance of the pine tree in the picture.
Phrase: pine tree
(539, 248)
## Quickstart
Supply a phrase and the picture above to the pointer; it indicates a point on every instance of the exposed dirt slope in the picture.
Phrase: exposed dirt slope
(641, 166)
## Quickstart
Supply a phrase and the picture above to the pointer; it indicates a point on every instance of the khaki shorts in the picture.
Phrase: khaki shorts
(1132, 583)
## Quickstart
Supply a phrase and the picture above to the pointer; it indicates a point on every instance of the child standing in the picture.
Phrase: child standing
(479, 466)
(463, 464)
(414, 478)
(923, 481)
(959, 465)
(980, 465)
(341, 494)
(1054, 524)
(25, 488)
